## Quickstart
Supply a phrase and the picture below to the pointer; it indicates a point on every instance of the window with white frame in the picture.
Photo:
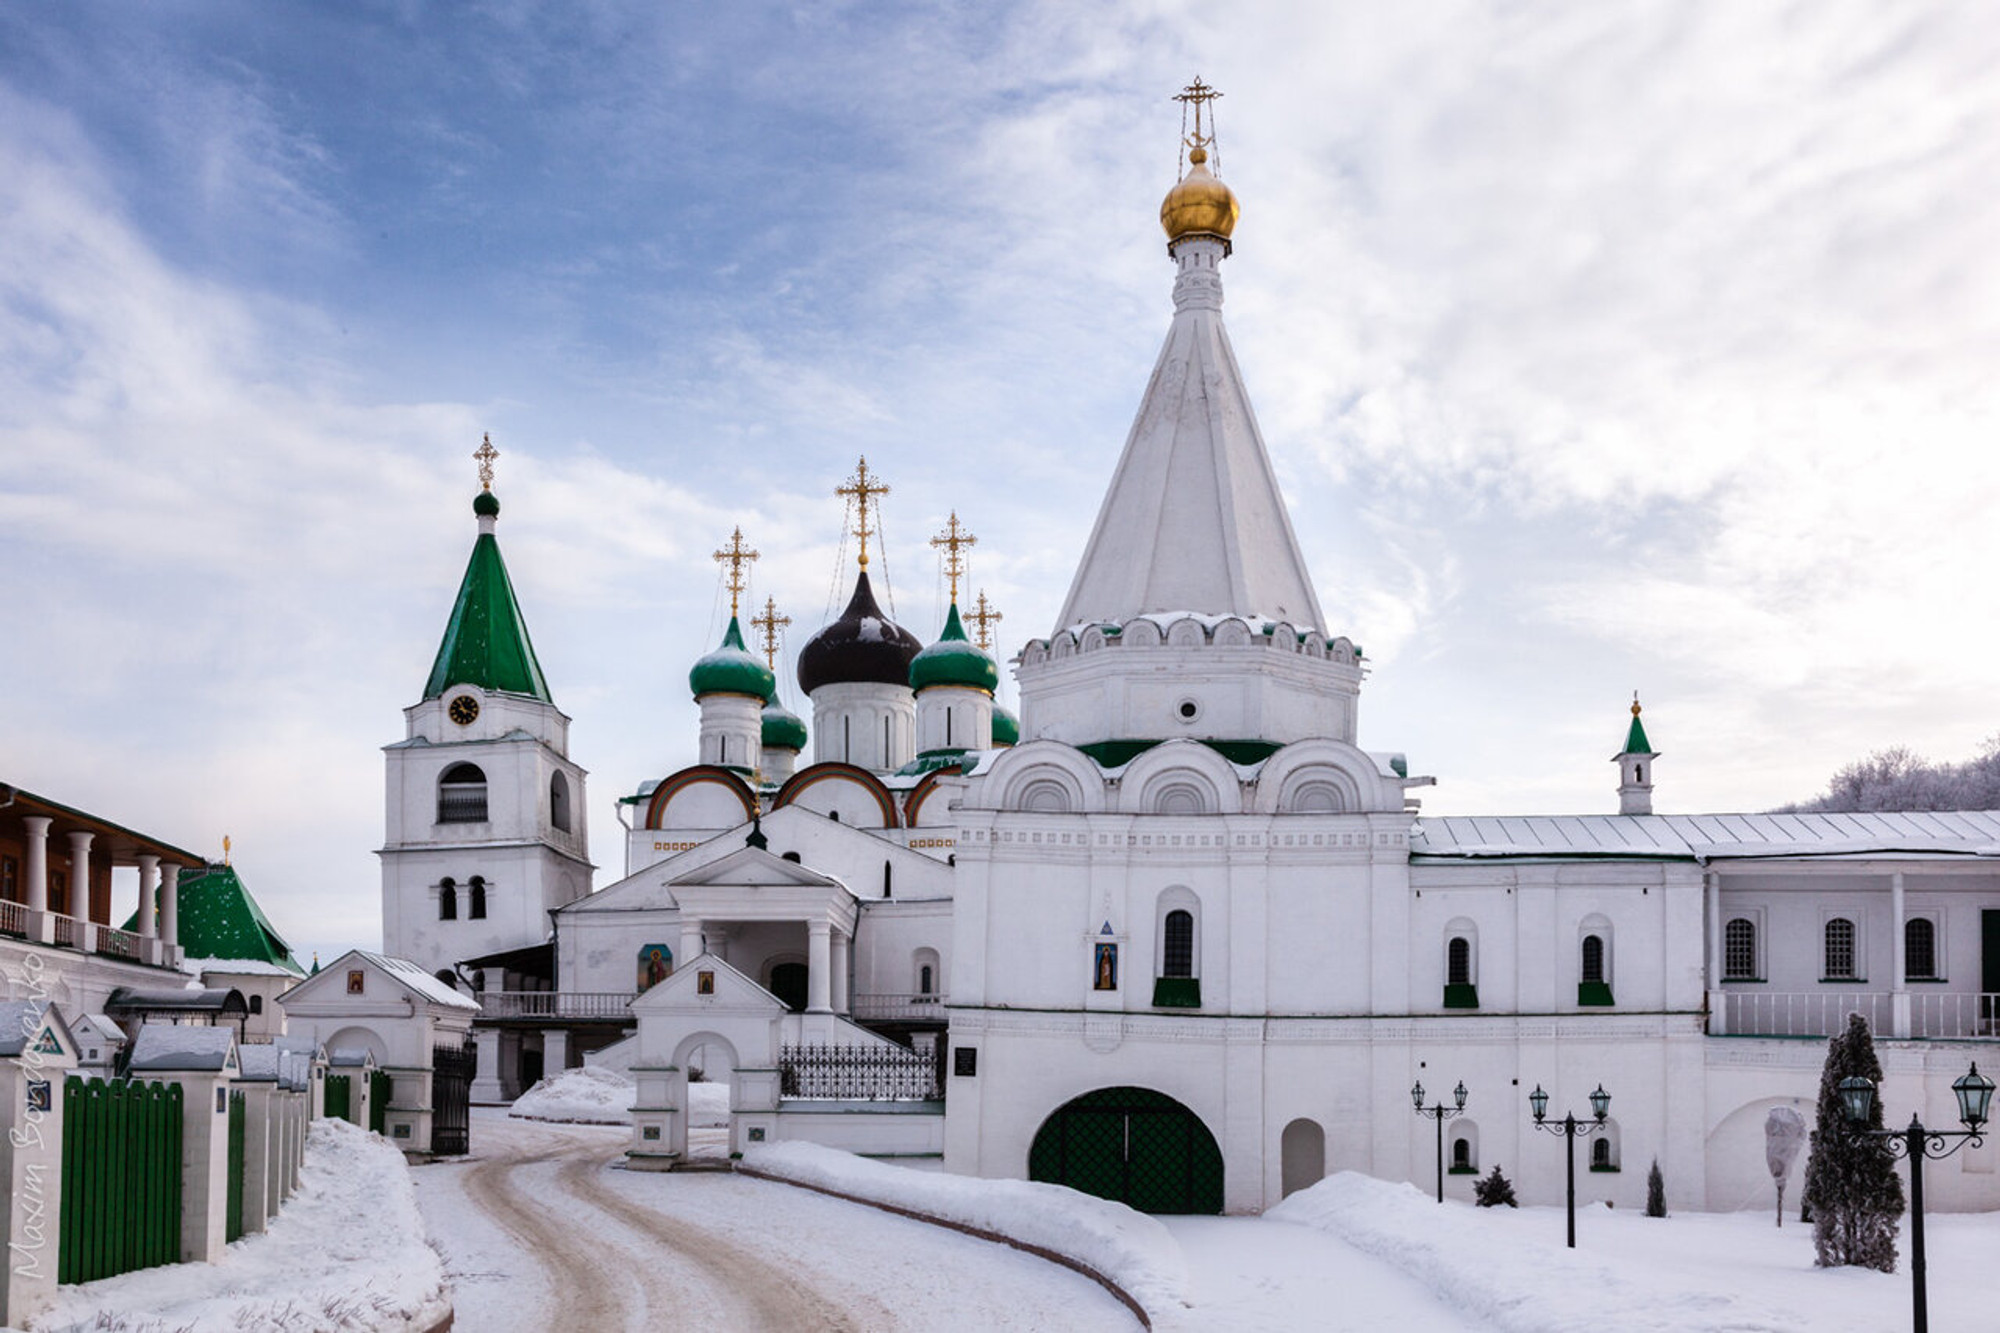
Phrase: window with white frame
(1920, 955)
(1840, 950)
(1739, 950)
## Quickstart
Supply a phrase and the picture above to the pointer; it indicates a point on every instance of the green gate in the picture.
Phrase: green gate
(336, 1097)
(121, 1178)
(1134, 1146)
(379, 1084)
(233, 1214)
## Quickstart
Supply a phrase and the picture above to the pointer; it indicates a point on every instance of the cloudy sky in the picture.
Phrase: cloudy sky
(1599, 348)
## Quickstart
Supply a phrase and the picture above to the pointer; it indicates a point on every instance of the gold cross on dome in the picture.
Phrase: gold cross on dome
(486, 453)
(1197, 95)
(768, 626)
(954, 539)
(735, 555)
(860, 489)
(983, 618)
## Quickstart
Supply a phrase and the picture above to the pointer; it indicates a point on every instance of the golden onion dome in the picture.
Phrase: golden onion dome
(1200, 205)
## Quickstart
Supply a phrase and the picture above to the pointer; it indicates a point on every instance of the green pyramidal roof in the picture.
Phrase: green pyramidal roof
(486, 642)
(219, 919)
(1635, 738)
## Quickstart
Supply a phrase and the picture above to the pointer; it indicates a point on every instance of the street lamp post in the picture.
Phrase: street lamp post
(1440, 1113)
(1975, 1096)
(1570, 1127)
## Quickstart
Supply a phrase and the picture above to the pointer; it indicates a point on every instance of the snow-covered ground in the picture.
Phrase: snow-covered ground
(347, 1253)
(592, 1095)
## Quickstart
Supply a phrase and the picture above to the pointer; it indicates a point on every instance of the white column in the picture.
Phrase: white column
(1718, 1016)
(1899, 997)
(259, 1161)
(79, 887)
(38, 861)
(819, 967)
(843, 951)
(486, 1089)
(170, 912)
(149, 890)
(555, 1051)
(690, 941)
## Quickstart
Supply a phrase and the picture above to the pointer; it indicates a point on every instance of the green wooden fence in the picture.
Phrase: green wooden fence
(121, 1178)
(233, 1215)
(336, 1097)
(378, 1100)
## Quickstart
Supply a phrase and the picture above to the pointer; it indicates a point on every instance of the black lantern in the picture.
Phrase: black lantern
(1458, 1093)
(1600, 1102)
(1540, 1101)
(1417, 1095)
(1857, 1096)
(1975, 1096)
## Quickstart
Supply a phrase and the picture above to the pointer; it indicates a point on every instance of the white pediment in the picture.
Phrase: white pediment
(749, 867)
(683, 992)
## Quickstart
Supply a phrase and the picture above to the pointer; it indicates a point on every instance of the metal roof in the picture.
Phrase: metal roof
(1973, 833)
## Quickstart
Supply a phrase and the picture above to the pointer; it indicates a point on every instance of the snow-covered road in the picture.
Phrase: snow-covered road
(539, 1233)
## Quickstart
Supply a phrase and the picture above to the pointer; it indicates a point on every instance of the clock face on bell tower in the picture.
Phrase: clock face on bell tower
(463, 710)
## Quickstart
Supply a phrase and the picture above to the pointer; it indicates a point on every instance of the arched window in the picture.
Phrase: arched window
(1458, 962)
(926, 982)
(1178, 955)
(1593, 976)
(447, 899)
(925, 971)
(1840, 948)
(1177, 978)
(1739, 950)
(478, 907)
(1593, 958)
(1461, 966)
(1920, 948)
(1600, 1155)
(559, 802)
(462, 795)
(1461, 1154)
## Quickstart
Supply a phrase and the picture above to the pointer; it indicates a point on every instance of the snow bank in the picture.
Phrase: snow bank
(708, 1105)
(586, 1096)
(1510, 1268)
(1129, 1248)
(348, 1253)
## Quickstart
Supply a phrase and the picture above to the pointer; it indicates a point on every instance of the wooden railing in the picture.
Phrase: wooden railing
(555, 1004)
(899, 1007)
(13, 917)
(65, 931)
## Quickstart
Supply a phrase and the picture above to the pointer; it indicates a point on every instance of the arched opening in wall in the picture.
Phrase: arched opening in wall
(1593, 975)
(788, 983)
(656, 964)
(447, 899)
(1301, 1156)
(462, 795)
(1739, 950)
(476, 887)
(443, 974)
(1604, 1148)
(1840, 950)
(1046, 797)
(559, 802)
(1134, 1146)
(1920, 949)
(925, 963)
(708, 1063)
(1464, 1155)
(1461, 965)
(1177, 967)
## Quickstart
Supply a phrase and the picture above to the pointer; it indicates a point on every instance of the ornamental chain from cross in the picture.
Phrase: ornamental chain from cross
(860, 488)
(486, 453)
(983, 618)
(768, 625)
(954, 539)
(736, 555)
(1197, 95)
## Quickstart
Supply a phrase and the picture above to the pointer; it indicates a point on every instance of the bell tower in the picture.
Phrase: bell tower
(485, 824)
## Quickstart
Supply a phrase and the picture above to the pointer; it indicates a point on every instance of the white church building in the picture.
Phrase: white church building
(1172, 937)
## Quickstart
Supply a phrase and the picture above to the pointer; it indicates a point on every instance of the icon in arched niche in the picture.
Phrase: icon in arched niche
(1107, 966)
(656, 964)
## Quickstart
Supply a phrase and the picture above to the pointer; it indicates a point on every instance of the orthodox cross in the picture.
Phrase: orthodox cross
(859, 488)
(486, 453)
(735, 555)
(769, 624)
(982, 619)
(954, 539)
(1198, 95)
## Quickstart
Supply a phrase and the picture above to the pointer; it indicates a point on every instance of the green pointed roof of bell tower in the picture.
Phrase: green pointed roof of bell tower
(1635, 736)
(486, 641)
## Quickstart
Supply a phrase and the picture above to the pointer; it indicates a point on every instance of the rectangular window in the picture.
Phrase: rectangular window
(1920, 948)
(10, 879)
(1739, 950)
(1840, 949)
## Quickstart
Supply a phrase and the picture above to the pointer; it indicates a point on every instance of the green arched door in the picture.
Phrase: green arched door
(1132, 1145)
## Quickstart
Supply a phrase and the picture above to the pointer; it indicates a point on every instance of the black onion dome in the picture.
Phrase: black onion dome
(863, 645)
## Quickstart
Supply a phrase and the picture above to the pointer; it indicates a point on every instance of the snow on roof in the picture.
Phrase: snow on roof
(260, 1063)
(238, 967)
(18, 1020)
(168, 1046)
(420, 981)
(348, 1057)
(1710, 837)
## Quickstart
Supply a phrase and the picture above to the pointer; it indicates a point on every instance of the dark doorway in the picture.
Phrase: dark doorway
(1134, 1146)
(788, 983)
(451, 1100)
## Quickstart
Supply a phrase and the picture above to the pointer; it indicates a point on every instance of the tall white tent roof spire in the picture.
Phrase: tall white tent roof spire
(1194, 520)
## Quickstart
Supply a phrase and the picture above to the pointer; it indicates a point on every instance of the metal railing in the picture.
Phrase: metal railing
(117, 943)
(555, 1004)
(1954, 1014)
(1803, 1013)
(13, 917)
(66, 930)
(858, 1074)
(899, 1007)
(462, 806)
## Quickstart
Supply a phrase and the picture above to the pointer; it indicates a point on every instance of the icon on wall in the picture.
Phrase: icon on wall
(1107, 967)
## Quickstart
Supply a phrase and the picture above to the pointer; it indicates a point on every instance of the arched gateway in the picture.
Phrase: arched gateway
(1132, 1145)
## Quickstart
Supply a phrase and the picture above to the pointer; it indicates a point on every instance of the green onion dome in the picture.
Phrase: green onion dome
(486, 504)
(782, 728)
(732, 669)
(1006, 729)
(954, 660)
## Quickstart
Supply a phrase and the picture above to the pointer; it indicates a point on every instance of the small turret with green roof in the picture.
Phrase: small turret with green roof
(732, 669)
(1635, 768)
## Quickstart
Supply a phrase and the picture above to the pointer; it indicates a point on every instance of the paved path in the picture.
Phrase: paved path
(539, 1233)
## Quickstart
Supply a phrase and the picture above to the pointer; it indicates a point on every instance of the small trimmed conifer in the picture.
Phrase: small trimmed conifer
(1494, 1189)
(1656, 1191)
(1852, 1187)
